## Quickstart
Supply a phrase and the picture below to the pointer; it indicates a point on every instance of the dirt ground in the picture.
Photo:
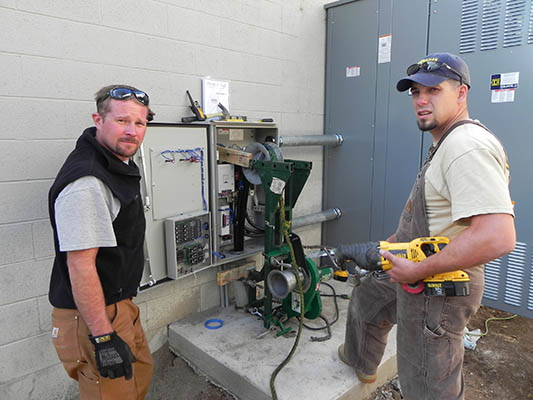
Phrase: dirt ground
(501, 366)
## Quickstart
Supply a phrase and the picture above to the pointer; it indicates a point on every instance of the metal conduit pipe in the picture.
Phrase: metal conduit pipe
(311, 140)
(322, 216)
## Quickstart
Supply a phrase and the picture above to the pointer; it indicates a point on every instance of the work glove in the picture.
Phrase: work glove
(365, 255)
(113, 356)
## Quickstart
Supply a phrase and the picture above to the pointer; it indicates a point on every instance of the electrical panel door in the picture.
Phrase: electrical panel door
(496, 40)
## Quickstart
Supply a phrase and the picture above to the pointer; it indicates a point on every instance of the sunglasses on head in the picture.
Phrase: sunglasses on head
(432, 66)
(126, 94)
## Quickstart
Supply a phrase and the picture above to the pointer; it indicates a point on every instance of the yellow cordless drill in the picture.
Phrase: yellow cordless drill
(366, 256)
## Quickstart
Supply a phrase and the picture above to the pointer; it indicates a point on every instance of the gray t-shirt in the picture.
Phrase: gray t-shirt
(84, 213)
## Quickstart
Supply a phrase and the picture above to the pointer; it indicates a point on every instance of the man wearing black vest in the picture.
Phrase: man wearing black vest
(98, 221)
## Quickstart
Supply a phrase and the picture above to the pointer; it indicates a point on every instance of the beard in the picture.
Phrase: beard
(126, 151)
(425, 125)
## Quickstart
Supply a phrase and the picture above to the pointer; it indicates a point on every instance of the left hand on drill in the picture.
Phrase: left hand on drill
(403, 270)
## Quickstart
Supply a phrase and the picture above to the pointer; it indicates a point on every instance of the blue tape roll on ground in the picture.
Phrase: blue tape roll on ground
(213, 323)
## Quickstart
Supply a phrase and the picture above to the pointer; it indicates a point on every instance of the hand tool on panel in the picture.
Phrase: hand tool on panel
(199, 114)
(366, 256)
(196, 109)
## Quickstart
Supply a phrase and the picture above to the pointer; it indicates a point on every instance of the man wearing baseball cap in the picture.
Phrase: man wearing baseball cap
(461, 192)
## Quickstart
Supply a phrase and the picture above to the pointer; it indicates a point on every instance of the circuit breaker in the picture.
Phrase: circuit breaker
(187, 243)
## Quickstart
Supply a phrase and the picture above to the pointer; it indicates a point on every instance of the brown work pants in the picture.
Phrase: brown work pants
(70, 336)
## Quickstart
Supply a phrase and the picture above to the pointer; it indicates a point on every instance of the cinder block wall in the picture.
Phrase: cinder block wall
(55, 55)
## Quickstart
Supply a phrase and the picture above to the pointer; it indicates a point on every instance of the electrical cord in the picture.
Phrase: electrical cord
(285, 228)
(328, 335)
(487, 324)
(328, 324)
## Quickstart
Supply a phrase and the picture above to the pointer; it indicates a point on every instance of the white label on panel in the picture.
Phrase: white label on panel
(502, 96)
(236, 134)
(384, 50)
(277, 185)
(353, 71)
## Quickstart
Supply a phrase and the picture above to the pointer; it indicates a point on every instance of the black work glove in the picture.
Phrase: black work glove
(365, 255)
(113, 356)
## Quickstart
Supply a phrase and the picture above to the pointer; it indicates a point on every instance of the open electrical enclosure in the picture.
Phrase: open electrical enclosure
(190, 197)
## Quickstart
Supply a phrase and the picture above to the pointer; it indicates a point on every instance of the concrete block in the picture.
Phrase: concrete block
(191, 4)
(290, 99)
(209, 296)
(239, 37)
(177, 85)
(47, 157)
(27, 33)
(77, 10)
(270, 16)
(45, 314)
(307, 153)
(162, 311)
(233, 357)
(269, 98)
(24, 201)
(11, 82)
(156, 84)
(84, 42)
(255, 97)
(237, 66)
(208, 62)
(143, 311)
(48, 383)
(229, 9)
(43, 240)
(251, 12)
(8, 3)
(26, 357)
(78, 116)
(293, 73)
(148, 17)
(40, 125)
(201, 278)
(155, 292)
(19, 320)
(291, 16)
(45, 77)
(269, 43)
(25, 280)
(265, 70)
(157, 338)
(302, 123)
(156, 52)
(16, 242)
(181, 57)
(194, 26)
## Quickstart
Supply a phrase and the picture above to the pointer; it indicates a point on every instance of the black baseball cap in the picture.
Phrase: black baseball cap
(434, 69)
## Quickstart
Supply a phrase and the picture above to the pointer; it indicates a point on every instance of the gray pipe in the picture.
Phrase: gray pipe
(322, 216)
(311, 140)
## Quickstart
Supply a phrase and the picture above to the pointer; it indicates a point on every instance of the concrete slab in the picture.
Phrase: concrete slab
(233, 357)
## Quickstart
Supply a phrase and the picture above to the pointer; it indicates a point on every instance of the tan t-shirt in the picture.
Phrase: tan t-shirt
(468, 176)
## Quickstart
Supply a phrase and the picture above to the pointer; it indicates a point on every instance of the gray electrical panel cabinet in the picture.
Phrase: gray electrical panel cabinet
(190, 196)
(383, 148)
(174, 162)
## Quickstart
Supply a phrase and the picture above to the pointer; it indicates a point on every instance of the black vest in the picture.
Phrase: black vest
(119, 268)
